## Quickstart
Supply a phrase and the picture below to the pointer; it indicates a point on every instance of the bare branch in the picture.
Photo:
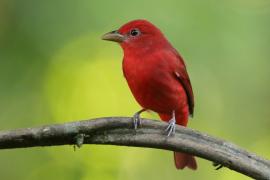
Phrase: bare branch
(119, 131)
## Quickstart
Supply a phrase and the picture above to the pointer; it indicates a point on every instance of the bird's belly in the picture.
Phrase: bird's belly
(163, 94)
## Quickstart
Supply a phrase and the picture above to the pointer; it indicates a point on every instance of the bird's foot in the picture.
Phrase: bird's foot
(137, 119)
(217, 166)
(171, 127)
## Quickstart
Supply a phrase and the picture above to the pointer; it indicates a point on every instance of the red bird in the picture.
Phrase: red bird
(157, 77)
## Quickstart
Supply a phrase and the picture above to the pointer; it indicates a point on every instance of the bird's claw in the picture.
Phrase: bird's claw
(217, 166)
(171, 127)
(137, 119)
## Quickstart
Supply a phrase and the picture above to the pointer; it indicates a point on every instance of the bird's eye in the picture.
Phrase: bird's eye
(134, 32)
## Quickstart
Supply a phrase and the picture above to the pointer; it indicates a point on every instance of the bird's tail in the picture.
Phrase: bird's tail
(183, 160)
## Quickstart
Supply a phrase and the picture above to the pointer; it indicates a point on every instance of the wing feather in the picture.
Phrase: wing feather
(182, 75)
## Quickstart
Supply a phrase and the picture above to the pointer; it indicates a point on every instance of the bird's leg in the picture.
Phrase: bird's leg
(171, 127)
(137, 118)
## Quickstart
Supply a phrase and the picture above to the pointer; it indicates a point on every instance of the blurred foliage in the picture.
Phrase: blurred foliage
(55, 68)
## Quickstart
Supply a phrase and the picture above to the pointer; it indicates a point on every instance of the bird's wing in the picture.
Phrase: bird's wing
(182, 75)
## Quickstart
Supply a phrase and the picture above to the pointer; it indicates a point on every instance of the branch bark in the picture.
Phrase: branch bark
(119, 131)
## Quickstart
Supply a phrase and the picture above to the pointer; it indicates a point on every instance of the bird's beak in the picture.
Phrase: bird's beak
(113, 36)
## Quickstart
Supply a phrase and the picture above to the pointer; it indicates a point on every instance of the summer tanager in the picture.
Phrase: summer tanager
(157, 77)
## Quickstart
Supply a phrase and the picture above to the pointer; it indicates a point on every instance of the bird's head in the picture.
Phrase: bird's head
(136, 35)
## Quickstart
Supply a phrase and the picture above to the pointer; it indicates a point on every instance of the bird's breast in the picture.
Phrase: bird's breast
(152, 84)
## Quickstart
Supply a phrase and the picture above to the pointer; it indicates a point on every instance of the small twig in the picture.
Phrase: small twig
(119, 131)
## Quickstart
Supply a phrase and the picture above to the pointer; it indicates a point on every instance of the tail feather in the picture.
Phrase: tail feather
(181, 160)
(184, 160)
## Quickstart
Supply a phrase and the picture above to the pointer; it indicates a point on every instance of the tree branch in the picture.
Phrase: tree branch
(119, 131)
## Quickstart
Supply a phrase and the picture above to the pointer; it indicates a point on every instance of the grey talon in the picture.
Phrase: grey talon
(137, 119)
(217, 166)
(171, 127)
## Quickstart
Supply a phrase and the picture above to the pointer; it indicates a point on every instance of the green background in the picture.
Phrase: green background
(54, 68)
